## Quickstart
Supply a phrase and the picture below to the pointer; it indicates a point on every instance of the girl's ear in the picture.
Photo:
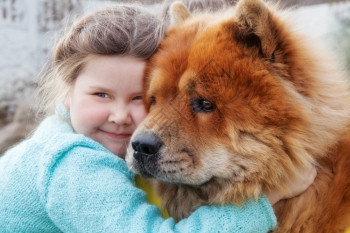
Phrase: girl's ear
(178, 13)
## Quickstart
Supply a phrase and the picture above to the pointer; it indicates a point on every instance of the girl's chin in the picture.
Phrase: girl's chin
(119, 151)
(116, 146)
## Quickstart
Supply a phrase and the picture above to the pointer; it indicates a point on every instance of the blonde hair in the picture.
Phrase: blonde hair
(116, 30)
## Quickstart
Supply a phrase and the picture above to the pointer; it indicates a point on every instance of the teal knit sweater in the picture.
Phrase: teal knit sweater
(60, 181)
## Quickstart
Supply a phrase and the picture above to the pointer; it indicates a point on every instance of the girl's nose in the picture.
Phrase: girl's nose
(120, 115)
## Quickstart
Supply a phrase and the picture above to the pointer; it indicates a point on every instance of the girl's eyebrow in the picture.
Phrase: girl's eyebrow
(104, 89)
(96, 87)
(137, 93)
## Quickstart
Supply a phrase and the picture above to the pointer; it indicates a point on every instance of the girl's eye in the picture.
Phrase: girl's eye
(102, 95)
(139, 97)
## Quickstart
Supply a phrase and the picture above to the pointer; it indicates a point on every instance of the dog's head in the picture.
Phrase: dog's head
(233, 96)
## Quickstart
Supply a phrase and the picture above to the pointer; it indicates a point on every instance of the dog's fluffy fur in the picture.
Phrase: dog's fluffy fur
(238, 103)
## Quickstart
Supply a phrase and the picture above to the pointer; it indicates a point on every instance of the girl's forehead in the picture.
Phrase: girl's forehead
(113, 71)
(115, 60)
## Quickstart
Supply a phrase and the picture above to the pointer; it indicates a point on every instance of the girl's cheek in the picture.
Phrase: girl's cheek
(93, 115)
(99, 115)
(139, 114)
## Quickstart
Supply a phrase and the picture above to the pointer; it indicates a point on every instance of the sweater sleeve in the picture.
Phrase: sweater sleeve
(88, 190)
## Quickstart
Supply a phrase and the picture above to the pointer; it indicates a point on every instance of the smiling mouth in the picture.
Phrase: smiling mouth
(121, 136)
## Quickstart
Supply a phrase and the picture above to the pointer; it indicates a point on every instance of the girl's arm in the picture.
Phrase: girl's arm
(85, 190)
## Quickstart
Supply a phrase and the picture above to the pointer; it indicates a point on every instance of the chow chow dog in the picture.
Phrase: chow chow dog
(238, 102)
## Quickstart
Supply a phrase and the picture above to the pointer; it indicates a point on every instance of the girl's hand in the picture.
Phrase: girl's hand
(305, 178)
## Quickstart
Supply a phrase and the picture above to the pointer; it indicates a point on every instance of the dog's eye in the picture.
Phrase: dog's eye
(202, 105)
(152, 100)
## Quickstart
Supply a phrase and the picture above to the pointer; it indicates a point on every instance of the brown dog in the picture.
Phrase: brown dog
(238, 103)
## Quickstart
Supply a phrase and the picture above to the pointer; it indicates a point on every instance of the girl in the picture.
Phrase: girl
(67, 177)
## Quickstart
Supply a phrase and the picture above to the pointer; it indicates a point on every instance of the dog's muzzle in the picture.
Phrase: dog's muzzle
(146, 148)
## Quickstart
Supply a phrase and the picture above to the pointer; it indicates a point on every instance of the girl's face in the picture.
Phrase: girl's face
(105, 102)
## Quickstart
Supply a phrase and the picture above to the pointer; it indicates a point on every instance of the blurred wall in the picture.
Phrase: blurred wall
(26, 35)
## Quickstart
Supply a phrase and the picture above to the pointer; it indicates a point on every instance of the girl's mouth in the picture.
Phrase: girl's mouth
(121, 136)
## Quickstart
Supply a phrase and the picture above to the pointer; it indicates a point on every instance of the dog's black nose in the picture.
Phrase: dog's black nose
(146, 143)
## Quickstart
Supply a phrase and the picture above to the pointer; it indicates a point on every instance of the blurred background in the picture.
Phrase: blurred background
(29, 28)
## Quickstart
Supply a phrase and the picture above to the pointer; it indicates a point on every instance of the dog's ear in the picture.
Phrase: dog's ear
(178, 13)
(255, 27)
